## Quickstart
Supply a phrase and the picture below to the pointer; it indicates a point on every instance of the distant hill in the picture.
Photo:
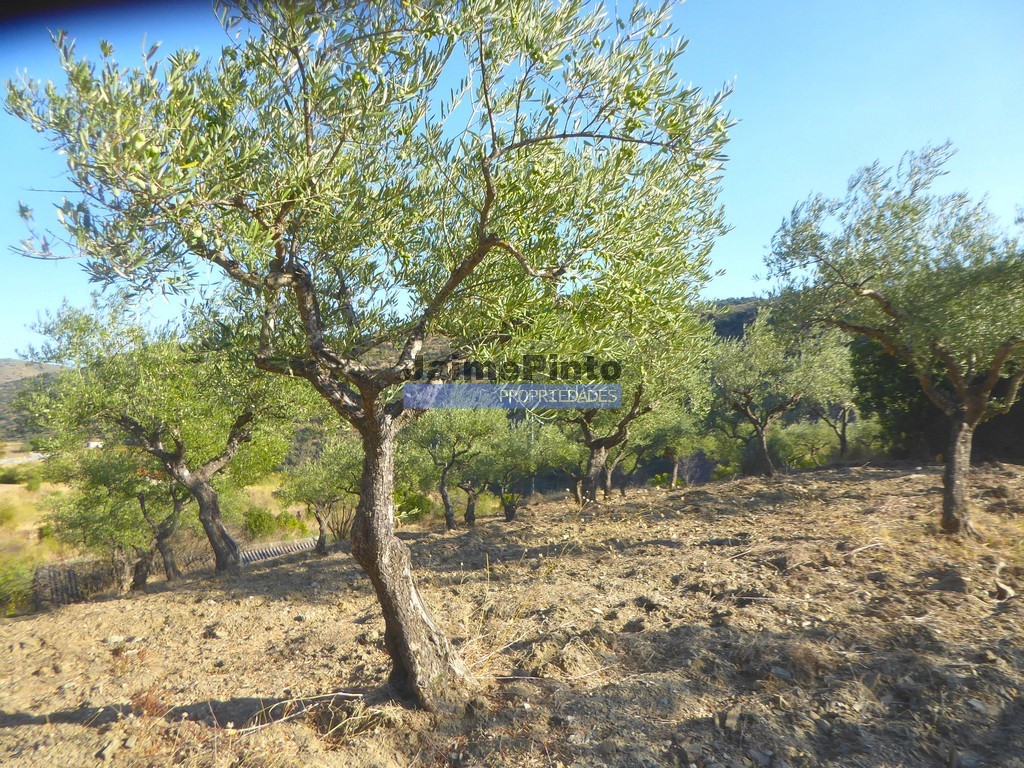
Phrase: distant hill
(731, 316)
(15, 370)
(14, 377)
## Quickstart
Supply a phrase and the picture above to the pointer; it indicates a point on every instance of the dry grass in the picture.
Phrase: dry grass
(262, 494)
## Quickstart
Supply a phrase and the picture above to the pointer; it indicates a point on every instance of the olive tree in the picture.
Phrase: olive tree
(119, 504)
(673, 431)
(933, 278)
(367, 174)
(757, 379)
(191, 409)
(661, 364)
(450, 439)
(327, 484)
(832, 398)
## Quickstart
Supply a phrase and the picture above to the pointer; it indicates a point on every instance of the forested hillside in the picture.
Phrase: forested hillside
(14, 376)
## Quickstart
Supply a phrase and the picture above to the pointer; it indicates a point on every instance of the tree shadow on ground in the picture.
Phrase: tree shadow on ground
(236, 713)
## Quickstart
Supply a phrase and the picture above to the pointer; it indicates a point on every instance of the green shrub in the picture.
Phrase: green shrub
(867, 440)
(258, 523)
(15, 584)
(663, 479)
(803, 445)
(10, 476)
(289, 523)
(46, 531)
(32, 480)
(411, 505)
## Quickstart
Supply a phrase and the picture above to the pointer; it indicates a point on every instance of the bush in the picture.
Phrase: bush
(803, 445)
(867, 439)
(10, 476)
(32, 480)
(411, 505)
(258, 523)
(15, 584)
(289, 523)
(662, 479)
(6, 512)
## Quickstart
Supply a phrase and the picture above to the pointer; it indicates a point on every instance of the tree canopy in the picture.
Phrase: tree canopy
(934, 278)
(364, 176)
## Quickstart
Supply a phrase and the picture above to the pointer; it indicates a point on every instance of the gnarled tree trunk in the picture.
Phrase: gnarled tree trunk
(596, 462)
(322, 516)
(143, 567)
(509, 504)
(956, 480)
(171, 570)
(225, 549)
(606, 479)
(164, 530)
(472, 494)
(424, 664)
(449, 510)
(768, 467)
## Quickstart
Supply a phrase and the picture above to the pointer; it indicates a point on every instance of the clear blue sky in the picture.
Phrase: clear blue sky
(821, 88)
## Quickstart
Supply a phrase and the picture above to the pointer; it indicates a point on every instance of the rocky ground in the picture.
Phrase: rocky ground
(818, 619)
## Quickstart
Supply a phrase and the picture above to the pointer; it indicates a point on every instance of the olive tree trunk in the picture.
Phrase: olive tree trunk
(606, 479)
(449, 510)
(956, 481)
(164, 530)
(166, 549)
(424, 664)
(592, 480)
(509, 504)
(322, 517)
(471, 496)
(577, 490)
(225, 549)
(142, 568)
(768, 467)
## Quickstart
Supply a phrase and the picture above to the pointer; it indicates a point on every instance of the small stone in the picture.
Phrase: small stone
(782, 674)
(1004, 591)
(979, 706)
(608, 747)
(693, 752)
(987, 657)
(108, 750)
(730, 719)
(300, 617)
(115, 640)
(762, 759)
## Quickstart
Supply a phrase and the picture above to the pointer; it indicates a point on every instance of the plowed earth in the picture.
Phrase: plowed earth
(816, 619)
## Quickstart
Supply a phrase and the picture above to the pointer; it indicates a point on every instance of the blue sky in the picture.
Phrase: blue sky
(821, 88)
